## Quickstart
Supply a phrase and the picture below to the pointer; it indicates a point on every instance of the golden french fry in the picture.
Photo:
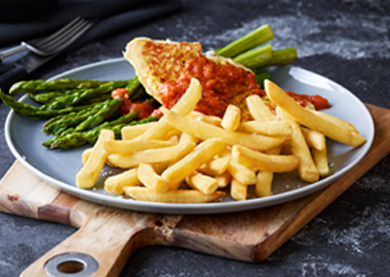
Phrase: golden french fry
(131, 132)
(264, 178)
(186, 103)
(241, 173)
(215, 166)
(124, 147)
(232, 118)
(150, 179)
(223, 180)
(203, 183)
(214, 120)
(345, 124)
(225, 152)
(330, 126)
(115, 184)
(85, 155)
(183, 139)
(314, 139)
(264, 183)
(259, 111)
(89, 173)
(321, 161)
(267, 128)
(306, 169)
(161, 155)
(205, 131)
(238, 191)
(204, 152)
(260, 161)
(172, 196)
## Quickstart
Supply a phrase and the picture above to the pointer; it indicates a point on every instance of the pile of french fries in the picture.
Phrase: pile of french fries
(189, 157)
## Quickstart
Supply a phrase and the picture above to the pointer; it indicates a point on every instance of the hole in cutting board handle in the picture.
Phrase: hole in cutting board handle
(71, 265)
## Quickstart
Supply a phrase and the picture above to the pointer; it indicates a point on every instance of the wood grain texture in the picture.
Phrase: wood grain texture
(111, 235)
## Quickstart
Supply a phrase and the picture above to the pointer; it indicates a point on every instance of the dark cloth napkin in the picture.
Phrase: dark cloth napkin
(109, 16)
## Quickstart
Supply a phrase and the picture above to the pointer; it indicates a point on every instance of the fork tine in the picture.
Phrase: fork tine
(60, 38)
(67, 40)
(59, 32)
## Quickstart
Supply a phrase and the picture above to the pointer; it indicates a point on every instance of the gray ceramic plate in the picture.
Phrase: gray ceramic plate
(24, 137)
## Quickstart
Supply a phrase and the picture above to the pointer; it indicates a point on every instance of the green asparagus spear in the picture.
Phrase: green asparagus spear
(251, 40)
(77, 139)
(255, 58)
(282, 57)
(44, 98)
(17, 106)
(63, 122)
(97, 99)
(133, 85)
(80, 97)
(105, 112)
(261, 76)
(59, 85)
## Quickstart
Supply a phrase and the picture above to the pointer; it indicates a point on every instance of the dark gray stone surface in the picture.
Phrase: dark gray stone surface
(347, 41)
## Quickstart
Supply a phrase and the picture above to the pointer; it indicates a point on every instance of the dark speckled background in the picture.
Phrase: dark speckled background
(347, 41)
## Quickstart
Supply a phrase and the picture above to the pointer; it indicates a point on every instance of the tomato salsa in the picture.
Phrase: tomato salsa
(144, 109)
(222, 85)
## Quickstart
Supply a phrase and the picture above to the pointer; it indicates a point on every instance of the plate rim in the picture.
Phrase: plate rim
(175, 208)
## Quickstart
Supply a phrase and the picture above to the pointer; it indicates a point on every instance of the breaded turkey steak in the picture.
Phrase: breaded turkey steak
(165, 69)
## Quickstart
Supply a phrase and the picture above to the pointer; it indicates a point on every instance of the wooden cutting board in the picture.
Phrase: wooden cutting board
(111, 235)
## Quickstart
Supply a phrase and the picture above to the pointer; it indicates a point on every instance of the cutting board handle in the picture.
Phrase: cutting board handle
(102, 245)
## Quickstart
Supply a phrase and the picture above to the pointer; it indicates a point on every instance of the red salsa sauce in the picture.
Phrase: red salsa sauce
(318, 101)
(144, 109)
(221, 84)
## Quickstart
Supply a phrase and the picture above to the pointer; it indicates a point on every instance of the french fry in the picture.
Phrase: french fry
(172, 196)
(264, 179)
(203, 183)
(150, 179)
(232, 118)
(133, 131)
(238, 191)
(115, 184)
(314, 139)
(260, 161)
(186, 103)
(328, 125)
(321, 161)
(344, 123)
(124, 147)
(241, 173)
(184, 138)
(264, 183)
(214, 120)
(87, 176)
(161, 155)
(215, 166)
(223, 180)
(205, 131)
(268, 128)
(259, 111)
(204, 152)
(85, 155)
(307, 170)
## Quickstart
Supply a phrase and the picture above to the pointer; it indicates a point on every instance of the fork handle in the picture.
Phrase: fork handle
(11, 76)
(12, 51)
